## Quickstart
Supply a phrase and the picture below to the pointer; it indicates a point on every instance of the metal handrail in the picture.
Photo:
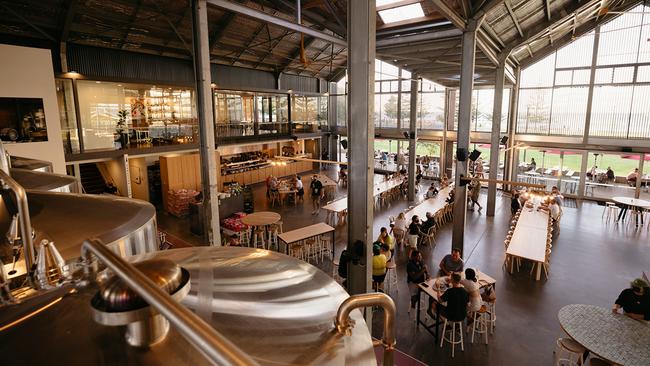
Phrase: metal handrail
(23, 220)
(214, 346)
(344, 324)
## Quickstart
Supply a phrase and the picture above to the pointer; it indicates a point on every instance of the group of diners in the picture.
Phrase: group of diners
(552, 203)
(464, 294)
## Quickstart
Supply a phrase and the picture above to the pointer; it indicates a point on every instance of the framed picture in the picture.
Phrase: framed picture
(22, 120)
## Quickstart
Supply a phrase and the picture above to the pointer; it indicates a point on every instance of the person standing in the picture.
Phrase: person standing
(476, 190)
(378, 267)
(317, 193)
(386, 238)
(415, 230)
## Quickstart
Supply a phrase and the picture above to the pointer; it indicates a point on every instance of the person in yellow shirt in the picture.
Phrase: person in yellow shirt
(386, 238)
(378, 268)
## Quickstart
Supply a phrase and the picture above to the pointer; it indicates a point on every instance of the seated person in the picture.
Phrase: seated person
(559, 198)
(632, 177)
(610, 174)
(533, 165)
(456, 298)
(635, 300)
(451, 263)
(386, 238)
(429, 223)
(417, 273)
(432, 192)
(470, 283)
(592, 172)
(553, 210)
(451, 197)
(444, 181)
(515, 204)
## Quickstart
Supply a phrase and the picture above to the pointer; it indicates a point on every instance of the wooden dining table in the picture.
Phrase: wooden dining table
(616, 338)
(529, 238)
(432, 205)
(261, 218)
(306, 232)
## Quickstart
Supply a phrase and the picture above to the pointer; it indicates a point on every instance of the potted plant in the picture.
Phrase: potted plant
(121, 128)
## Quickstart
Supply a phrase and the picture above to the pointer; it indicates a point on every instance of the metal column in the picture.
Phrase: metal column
(464, 121)
(495, 138)
(413, 137)
(512, 158)
(361, 132)
(211, 233)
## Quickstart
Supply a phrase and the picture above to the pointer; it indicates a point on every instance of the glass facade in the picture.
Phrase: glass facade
(118, 115)
(555, 91)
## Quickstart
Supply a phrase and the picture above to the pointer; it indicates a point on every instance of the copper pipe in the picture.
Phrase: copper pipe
(344, 326)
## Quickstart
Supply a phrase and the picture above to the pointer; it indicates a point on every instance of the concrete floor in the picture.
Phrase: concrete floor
(592, 261)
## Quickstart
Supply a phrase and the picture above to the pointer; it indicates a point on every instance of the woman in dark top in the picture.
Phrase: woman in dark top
(635, 300)
(416, 274)
(515, 205)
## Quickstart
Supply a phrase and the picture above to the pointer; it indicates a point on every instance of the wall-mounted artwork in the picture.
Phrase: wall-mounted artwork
(22, 120)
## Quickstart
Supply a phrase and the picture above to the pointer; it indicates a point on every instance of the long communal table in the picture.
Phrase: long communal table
(306, 232)
(432, 205)
(335, 207)
(529, 238)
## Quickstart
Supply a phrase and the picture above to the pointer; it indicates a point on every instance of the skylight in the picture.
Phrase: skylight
(386, 2)
(401, 13)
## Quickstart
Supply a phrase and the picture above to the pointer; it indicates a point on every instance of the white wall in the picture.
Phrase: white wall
(28, 73)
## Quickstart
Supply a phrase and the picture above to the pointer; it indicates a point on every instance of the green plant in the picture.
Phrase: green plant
(121, 121)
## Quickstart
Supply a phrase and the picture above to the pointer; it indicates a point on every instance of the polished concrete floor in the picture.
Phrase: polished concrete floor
(592, 261)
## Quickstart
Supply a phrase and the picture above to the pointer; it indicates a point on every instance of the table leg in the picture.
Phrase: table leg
(538, 276)
(621, 215)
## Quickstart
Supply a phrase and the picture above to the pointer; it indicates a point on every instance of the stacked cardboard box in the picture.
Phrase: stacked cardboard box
(178, 201)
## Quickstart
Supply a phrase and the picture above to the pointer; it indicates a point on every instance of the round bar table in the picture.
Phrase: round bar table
(616, 338)
(261, 218)
(637, 204)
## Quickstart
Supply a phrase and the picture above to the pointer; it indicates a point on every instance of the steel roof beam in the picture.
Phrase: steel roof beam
(514, 17)
(265, 17)
(449, 13)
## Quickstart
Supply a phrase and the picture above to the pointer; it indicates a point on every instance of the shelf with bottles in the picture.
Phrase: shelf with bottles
(243, 162)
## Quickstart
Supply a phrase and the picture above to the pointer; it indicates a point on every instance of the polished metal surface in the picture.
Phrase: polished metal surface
(120, 297)
(277, 309)
(125, 225)
(40, 181)
(51, 269)
(31, 164)
(217, 349)
(24, 219)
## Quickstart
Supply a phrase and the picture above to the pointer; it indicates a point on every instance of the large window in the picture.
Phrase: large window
(67, 115)
(113, 115)
(482, 110)
(555, 91)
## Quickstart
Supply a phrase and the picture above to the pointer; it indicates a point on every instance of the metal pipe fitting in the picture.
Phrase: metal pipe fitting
(344, 324)
(216, 348)
(24, 220)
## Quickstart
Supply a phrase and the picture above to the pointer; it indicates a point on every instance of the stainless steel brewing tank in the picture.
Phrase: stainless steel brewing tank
(128, 226)
(31, 164)
(276, 308)
(40, 181)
